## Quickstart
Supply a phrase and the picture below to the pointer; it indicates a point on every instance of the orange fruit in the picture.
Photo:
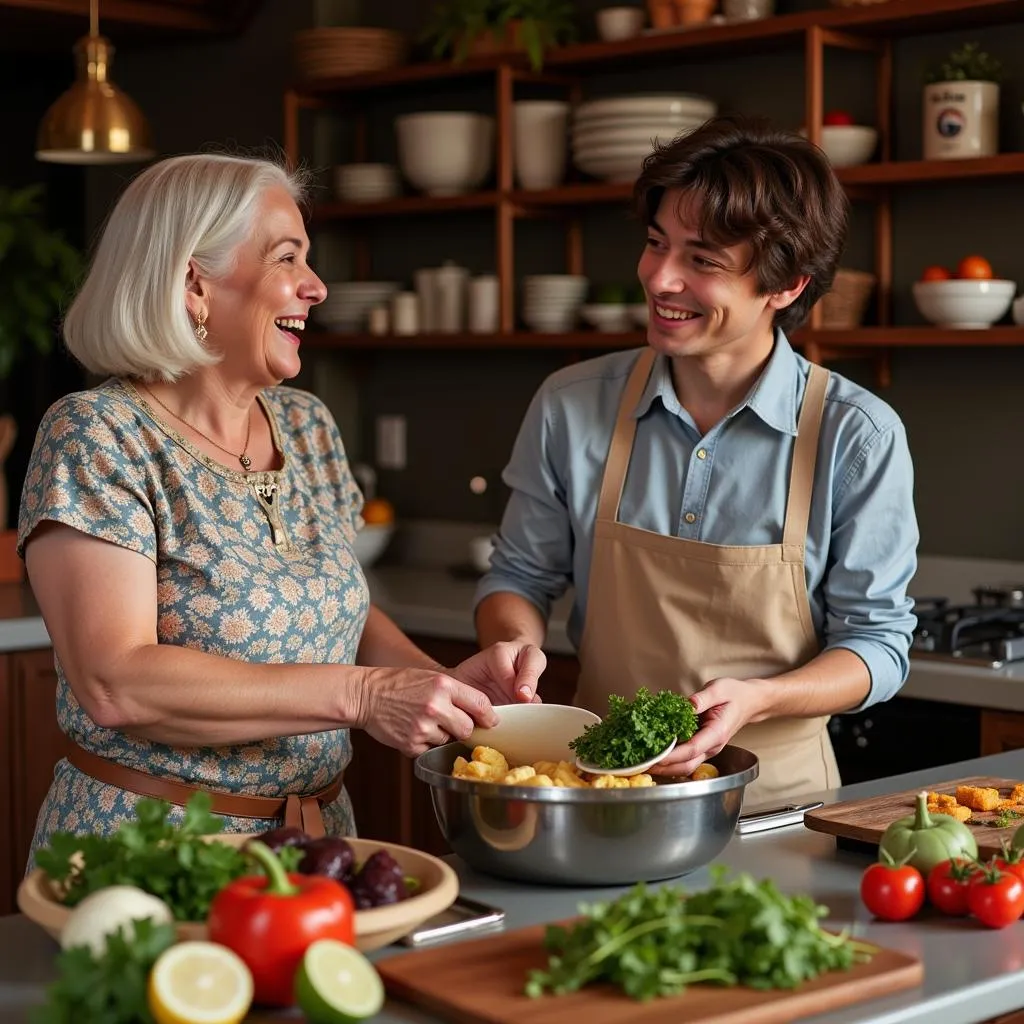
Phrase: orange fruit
(377, 511)
(935, 273)
(976, 268)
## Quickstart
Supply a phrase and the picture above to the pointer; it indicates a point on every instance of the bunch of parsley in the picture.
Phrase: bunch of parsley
(174, 862)
(656, 942)
(636, 730)
(109, 988)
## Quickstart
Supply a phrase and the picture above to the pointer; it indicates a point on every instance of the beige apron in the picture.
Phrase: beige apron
(672, 613)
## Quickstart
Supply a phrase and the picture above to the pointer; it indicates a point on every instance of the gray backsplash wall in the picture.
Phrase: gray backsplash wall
(962, 406)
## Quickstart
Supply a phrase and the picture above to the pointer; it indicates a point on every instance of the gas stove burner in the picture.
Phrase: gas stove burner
(989, 633)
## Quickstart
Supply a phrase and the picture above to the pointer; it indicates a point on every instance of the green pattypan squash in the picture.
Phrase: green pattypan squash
(928, 840)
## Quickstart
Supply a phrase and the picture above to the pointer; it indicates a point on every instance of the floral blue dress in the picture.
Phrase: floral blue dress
(107, 465)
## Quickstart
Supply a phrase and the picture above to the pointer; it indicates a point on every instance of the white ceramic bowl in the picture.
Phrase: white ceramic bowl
(847, 145)
(480, 551)
(372, 541)
(445, 153)
(963, 304)
(614, 23)
(1018, 311)
(366, 182)
(639, 313)
(648, 105)
(610, 317)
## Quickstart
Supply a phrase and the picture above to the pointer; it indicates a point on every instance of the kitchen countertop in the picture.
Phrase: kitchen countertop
(437, 602)
(972, 974)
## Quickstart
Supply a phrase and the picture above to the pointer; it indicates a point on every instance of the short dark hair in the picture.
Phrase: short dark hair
(762, 185)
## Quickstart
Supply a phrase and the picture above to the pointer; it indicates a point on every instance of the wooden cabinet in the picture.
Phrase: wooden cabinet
(1001, 731)
(389, 801)
(31, 744)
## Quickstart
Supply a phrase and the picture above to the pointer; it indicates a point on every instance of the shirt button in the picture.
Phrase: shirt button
(702, 454)
(690, 517)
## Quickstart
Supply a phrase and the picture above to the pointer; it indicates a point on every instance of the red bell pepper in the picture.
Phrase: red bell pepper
(269, 921)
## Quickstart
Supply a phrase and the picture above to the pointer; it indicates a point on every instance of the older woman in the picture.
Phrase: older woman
(187, 528)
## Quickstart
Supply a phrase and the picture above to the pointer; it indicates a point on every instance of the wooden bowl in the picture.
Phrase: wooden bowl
(37, 896)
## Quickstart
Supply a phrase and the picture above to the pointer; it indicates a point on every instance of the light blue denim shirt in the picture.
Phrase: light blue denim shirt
(861, 548)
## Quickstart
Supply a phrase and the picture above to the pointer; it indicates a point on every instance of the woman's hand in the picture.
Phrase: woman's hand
(507, 672)
(724, 705)
(414, 709)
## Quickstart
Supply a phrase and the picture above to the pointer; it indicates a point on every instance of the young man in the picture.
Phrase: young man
(738, 523)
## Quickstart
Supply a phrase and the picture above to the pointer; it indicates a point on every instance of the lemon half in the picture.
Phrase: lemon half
(199, 983)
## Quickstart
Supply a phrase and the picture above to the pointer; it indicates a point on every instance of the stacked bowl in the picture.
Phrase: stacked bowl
(445, 153)
(551, 302)
(366, 183)
(611, 136)
(348, 303)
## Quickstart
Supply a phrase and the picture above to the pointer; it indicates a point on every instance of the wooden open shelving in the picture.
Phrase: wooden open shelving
(829, 340)
(865, 28)
(596, 193)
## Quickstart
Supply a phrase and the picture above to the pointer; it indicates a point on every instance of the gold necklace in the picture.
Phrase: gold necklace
(242, 457)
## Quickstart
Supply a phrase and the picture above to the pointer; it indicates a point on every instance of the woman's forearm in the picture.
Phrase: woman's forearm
(383, 643)
(178, 696)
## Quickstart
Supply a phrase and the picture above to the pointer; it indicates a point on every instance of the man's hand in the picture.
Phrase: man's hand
(724, 706)
(506, 672)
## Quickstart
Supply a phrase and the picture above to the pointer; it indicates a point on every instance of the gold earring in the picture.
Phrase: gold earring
(200, 330)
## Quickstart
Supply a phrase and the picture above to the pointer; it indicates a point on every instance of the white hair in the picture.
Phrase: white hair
(129, 318)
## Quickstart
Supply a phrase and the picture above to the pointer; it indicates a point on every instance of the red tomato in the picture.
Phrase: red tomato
(935, 273)
(835, 117)
(996, 898)
(892, 891)
(948, 884)
(975, 268)
(1011, 861)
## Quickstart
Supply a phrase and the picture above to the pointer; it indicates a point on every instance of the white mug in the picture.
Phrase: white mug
(483, 305)
(405, 313)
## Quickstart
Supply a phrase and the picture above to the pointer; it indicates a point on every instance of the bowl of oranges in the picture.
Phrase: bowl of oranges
(971, 297)
(378, 528)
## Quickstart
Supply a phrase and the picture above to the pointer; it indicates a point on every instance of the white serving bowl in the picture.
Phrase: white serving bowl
(372, 541)
(649, 105)
(847, 145)
(1018, 311)
(445, 153)
(610, 317)
(639, 313)
(963, 304)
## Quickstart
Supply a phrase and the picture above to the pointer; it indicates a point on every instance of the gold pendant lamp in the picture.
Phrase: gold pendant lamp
(93, 122)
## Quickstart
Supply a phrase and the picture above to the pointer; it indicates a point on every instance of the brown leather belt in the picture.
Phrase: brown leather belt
(300, 811)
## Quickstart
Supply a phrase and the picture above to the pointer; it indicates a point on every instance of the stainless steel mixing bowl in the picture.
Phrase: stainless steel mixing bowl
(587, 836)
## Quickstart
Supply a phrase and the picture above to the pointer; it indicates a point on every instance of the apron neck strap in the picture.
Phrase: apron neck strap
(805, 456)
(622, 438)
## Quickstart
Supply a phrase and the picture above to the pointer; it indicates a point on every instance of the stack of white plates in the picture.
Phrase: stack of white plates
(611, 136)
(551, 302)
(348, 303)
(366, 183)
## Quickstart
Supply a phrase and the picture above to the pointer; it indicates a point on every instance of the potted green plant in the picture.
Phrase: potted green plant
(38, 269)
(961, 105)
(464, 28)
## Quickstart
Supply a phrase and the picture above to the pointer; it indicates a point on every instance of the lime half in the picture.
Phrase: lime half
(336, 984)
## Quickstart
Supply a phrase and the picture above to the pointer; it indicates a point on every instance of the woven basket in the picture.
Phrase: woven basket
(844, 306)
(331, 52)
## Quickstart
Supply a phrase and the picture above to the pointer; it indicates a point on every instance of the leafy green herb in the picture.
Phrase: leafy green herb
(656, 942)
(1004, 819)
(636, 730)
(110, 988)
(174, 862)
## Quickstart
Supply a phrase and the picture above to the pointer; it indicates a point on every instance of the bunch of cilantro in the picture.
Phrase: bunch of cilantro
(636, 730)
(109, 988)
(172, 861)
(656, 942)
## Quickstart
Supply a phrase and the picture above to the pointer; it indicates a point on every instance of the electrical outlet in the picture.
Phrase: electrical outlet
(391, 442)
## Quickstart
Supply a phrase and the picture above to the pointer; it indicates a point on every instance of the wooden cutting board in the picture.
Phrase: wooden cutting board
(481, 982)
(865, 820)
